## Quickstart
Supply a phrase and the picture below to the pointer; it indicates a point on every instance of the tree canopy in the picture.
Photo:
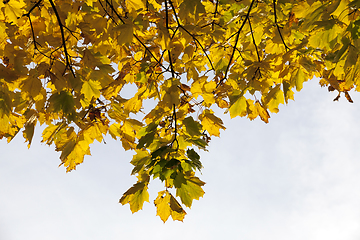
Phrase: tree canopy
(66, 64)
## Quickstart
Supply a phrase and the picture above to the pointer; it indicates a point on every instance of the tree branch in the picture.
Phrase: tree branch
(193, 36)
(167, 15)
(67, 58)
(175, 129)
(236, 42)
(252, 35)
(32, 28)
(136, 37)
(278, 27)
(171, 65)
(216, 7)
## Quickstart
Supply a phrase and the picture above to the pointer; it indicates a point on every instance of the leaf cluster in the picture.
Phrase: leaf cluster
(64, 64)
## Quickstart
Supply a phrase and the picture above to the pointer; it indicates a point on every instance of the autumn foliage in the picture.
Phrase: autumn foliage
(65, 64)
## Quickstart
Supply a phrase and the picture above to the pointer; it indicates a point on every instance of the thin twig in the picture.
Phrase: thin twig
(167, 15)
(136, 37)
(236, 42)
(175, 129)
(278, 27)
(171, 65)
(33, 7)
(193, 36)
(67, 60)
(32, 28)
(107, 13)
(216, 7)
(252, 35)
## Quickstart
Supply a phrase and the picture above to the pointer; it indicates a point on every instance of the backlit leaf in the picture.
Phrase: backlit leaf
(192, 127)
(168, 206)
(135, 4)
(298, 77)
(91, 89)
(211, 123)
(136, 196)
(190, 190)
(263, 113)
(125, 33)
(238, 108)
(162, 204)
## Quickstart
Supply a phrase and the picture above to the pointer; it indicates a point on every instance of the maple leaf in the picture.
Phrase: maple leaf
(167, 205)
(13, 10)
(192, 127)
(91, 89)
(211, 123)
(238, 106)
(125, 33)
(189, 190)
(136, 196)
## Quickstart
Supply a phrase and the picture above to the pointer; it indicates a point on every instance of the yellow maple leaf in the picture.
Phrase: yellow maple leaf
(167, 205)
(91, 89)
(238, 108)
(14, 10)
(125, 33)
(32, 85)
(263, 113)
(134, 5)
(211, 123)
(136, 196)
(162, 205)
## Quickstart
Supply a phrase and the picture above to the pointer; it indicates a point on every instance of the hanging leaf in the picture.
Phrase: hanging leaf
(136, 196)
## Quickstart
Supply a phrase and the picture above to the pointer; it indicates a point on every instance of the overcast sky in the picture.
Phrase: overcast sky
(294, 178)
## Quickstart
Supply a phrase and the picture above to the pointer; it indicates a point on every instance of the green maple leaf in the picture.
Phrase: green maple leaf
(195, 158)
(64, 102)
(192, 127)
(190, 190)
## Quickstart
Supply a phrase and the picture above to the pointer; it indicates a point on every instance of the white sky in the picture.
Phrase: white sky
(294, 178)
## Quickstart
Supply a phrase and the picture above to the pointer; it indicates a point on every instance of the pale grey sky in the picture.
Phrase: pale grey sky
(294, 178)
